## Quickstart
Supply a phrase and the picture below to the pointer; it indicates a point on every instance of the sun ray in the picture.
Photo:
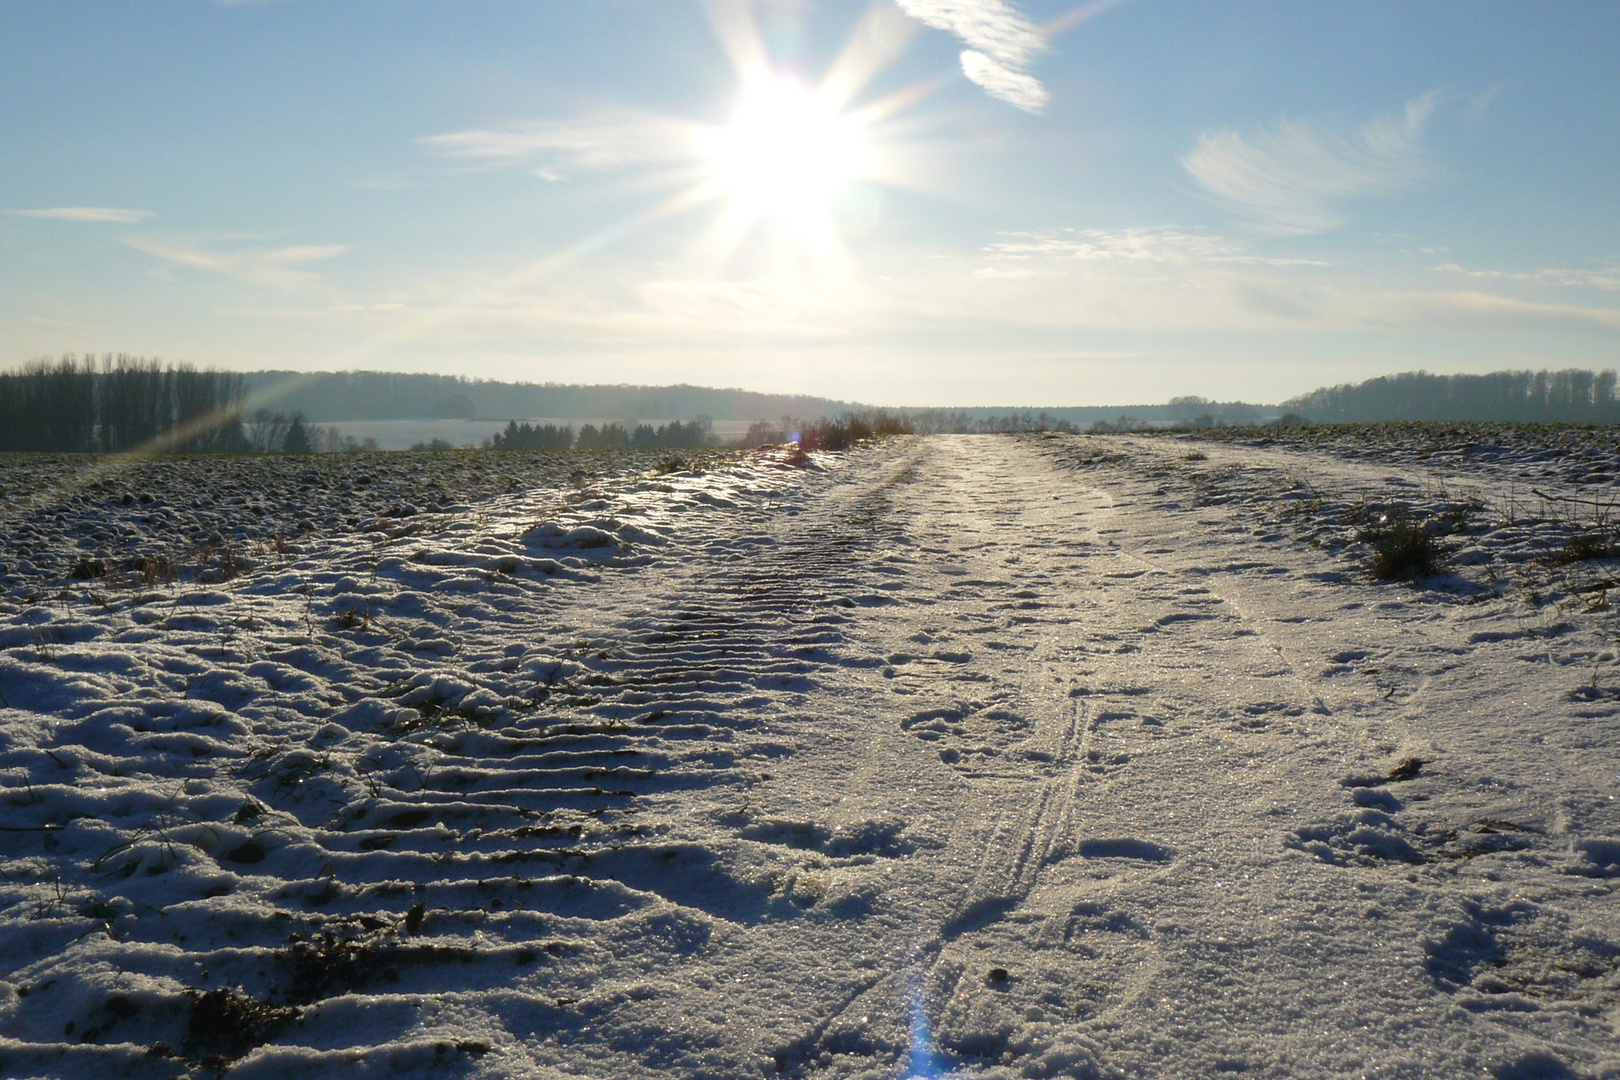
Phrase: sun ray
(877, 41)
(1077, 15)
(786, 153)
(734, 24)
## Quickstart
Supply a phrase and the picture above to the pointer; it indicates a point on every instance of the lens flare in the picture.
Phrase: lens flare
(922, 1065)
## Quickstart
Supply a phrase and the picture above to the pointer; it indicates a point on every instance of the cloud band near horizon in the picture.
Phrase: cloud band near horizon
(95, 214)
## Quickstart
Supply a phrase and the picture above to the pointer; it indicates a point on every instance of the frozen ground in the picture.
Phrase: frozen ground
(973, 756)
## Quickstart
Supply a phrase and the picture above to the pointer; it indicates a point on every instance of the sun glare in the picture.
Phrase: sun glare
(786, 154)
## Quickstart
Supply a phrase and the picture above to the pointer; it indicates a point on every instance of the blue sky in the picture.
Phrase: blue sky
(902, 202)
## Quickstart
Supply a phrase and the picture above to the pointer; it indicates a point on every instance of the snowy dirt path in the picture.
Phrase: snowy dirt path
(971, 755)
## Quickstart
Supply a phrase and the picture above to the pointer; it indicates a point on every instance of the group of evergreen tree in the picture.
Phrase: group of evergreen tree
(607, 437)
(532, 437)
(1572, 396)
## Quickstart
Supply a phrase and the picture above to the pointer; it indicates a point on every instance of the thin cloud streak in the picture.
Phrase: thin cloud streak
(96, 214)
(1154, 279)
(1014, 87)
(277, 268)
(1001, 42)
(1141, 245)
(1360, 306)
(601, 143)
(1289, 179)
(1480, 311)
(1587, 279)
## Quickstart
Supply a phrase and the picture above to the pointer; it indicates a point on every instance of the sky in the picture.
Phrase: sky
(902, 202)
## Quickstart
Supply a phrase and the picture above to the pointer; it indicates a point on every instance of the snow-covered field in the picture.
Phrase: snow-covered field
(404, 434)
(973, 756)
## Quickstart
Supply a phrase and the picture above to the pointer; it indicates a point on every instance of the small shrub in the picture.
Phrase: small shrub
(850, 429)
(1195, 455)
(1402, 549)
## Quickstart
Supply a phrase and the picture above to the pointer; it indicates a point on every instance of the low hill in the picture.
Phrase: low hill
(327, 396)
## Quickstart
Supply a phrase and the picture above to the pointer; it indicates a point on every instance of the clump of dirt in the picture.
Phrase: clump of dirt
(225, 1024)
(330, 965)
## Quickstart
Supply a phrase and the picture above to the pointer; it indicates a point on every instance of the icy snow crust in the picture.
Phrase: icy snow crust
(973, 756)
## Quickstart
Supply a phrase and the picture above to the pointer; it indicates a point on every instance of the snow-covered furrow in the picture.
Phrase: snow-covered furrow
(395, 773)
(976, 756)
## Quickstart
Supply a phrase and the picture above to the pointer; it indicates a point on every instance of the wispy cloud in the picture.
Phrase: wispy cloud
(1165, 278)
(1588, 279)
(1001, 42)
(1364, 306)
(1291, 178)
(1477, 311)
(1165, 244)
(598, 143)
(278, 268)
(99, 214)
(1013, 87)
(990, 26)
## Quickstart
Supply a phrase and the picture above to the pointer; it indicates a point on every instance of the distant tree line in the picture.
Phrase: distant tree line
(1570, 396)
(120, 403)
(607, 437)
(960, 422)
(331, 396)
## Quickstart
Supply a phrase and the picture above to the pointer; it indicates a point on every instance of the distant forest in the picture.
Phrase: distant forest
(125, 403)
(330, 397)
(119, 404)
(1546, 397)
(326, 397)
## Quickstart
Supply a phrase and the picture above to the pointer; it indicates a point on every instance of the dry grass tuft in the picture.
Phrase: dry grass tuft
(1584, 547)
(1402, 550)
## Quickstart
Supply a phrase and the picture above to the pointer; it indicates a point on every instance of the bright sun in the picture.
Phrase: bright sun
(786, 154)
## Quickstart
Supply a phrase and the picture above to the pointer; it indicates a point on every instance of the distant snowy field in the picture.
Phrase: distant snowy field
(970, 756)
(404, 434)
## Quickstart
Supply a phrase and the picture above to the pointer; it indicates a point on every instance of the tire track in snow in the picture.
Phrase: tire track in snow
(1024, 840)
(1025, 741)
(490, 813)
